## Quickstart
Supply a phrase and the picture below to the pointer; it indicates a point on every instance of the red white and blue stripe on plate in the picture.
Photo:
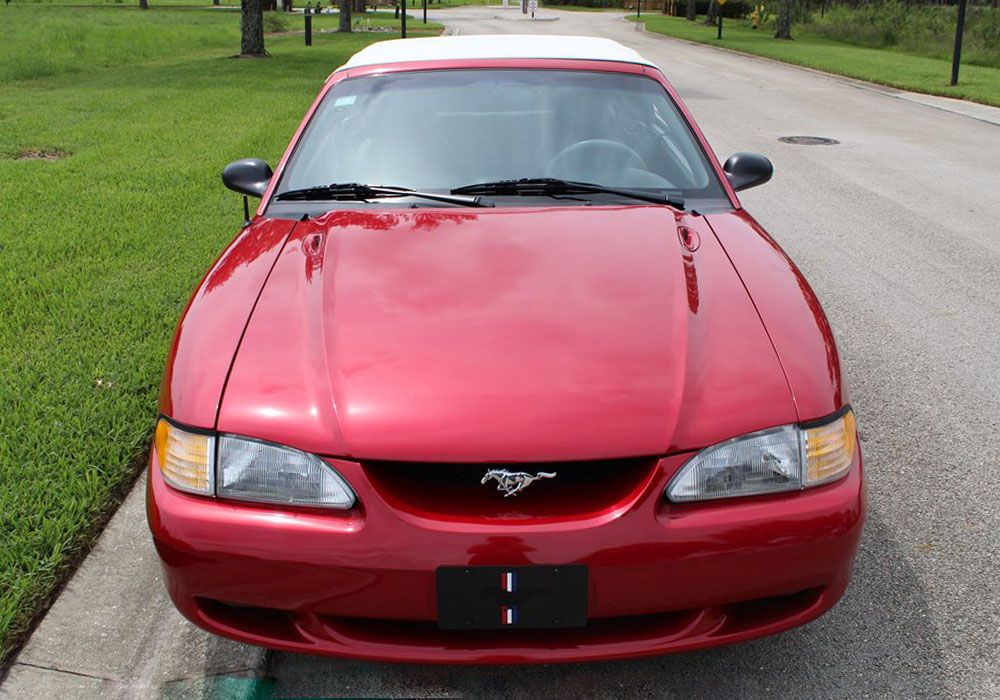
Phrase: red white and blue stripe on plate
(508, 615)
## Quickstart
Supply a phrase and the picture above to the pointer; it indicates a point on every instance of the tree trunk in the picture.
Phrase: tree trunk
(143, 5)
(784, 23)
(360, 6)
(252, 28)
(345, 16)
(712, 18)
(692, 10)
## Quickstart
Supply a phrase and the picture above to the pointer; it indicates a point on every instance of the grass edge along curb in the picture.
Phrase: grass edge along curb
(12, 645)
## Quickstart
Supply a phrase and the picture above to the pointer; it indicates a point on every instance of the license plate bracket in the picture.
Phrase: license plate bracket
(514, 597)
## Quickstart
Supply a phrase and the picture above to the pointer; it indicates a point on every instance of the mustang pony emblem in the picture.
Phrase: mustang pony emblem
(513, 482)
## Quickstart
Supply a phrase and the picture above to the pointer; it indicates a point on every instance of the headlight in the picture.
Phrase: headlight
(230, 466)
(252, 470)
(769, 461)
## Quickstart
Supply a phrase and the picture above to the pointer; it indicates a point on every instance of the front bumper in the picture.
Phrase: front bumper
(361, 584)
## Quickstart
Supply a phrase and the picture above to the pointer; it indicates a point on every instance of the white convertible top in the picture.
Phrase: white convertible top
(486, 46)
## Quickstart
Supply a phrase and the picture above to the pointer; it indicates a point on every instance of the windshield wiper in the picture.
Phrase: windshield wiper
(358, 192)
(549, 186)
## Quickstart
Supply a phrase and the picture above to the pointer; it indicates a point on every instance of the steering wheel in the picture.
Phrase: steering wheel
(593, 155)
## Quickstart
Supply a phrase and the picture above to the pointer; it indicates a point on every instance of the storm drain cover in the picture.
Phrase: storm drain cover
(808, 140)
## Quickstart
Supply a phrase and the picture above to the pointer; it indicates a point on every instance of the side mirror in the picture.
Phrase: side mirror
(249, 176)
(746, 170)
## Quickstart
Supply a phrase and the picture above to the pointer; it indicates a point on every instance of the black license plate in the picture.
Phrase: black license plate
(517, 597)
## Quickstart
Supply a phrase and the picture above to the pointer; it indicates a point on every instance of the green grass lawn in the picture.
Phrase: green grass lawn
(75, 40)
(902, 70)
(99, 250)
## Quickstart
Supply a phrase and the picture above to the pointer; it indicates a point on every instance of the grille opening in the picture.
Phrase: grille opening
(713, 621)
(761, 615)
(266, 623)
(455, 489)
(761, 612)
(597, 631)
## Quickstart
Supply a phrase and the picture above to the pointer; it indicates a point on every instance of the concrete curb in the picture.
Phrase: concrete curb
(113, 633)
(965, 108)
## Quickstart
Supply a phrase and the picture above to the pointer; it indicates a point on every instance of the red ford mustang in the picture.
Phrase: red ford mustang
(501, 371)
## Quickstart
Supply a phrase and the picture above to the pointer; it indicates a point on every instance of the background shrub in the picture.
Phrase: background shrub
(928, 30)
(275, 22)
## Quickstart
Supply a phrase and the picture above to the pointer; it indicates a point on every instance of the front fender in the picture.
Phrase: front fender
(790, 311)
(213, 322)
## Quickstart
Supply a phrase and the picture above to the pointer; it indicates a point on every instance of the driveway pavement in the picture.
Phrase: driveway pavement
(898, 229)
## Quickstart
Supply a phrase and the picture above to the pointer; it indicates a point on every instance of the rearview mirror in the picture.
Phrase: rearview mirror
(746, 170)
(248, 176)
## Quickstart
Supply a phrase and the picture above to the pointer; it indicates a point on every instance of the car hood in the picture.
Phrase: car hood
(503, 335)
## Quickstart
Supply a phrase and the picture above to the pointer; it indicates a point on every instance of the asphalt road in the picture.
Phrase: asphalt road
(898, 230)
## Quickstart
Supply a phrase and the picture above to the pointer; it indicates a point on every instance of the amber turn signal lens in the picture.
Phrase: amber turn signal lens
(830, 450)
(186, 458)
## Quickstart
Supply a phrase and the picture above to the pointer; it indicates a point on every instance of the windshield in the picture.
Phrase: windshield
(438, 130)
